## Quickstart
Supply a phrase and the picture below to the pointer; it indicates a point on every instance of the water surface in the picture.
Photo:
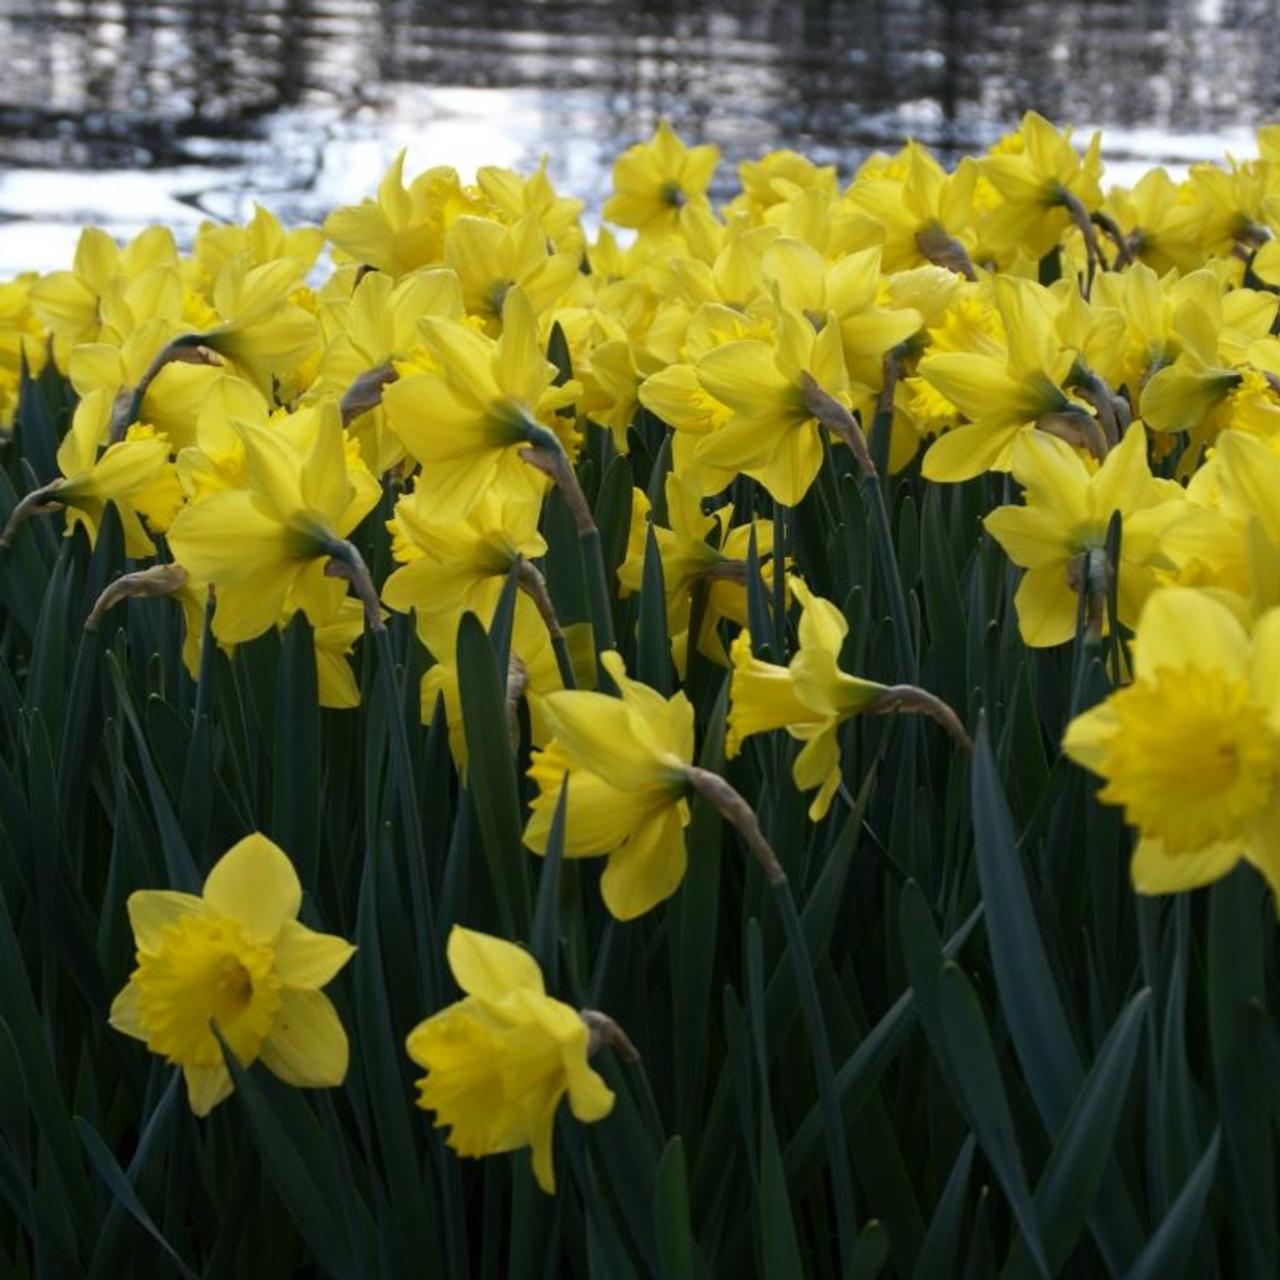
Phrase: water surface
(121, 112)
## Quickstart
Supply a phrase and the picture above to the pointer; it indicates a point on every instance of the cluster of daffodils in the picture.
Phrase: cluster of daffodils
(438, 358)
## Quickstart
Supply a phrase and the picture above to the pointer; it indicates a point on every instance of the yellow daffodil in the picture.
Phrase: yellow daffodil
(134, 474)
(773, 435)
(304, 495)
(1059, 535)
(1043, 183)
(626, 759)
(469, 414)
(500, 1060)
(451, 565)
(927, 215)
(490, 258)
(1003, 394)
(403, 228)
(1191, 749)
(237, 957)
(654, 180)
(696, 548)
(810, 698)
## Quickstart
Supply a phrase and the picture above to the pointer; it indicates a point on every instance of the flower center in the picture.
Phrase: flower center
(206, 970)
(1193, 759)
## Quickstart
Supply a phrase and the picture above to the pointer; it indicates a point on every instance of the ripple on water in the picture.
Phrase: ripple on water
(121, 113)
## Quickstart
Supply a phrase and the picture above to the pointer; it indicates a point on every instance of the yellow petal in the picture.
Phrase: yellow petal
(206, 1087)
(1046, 606)
(965, 452)
(1179, 622)
(307, 1045)
(490, 968)
(305, 958)
(255, 884)
(124, 1015)
(1155, 871)
(647, 868)
(153, 910)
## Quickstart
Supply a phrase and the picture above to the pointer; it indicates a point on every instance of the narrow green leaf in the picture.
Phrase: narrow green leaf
(306, 1185)
(938, 1254)
(653, 643)
(122, 1189)
(1083, 1146)
(295, 807)
(1168, 1252)
(676, 1247)
(972, 1062)
(491, 774)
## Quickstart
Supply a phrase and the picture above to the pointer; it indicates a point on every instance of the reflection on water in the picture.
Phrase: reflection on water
(124, 111)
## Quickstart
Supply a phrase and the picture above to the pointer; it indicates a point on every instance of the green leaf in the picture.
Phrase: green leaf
(1084, 1144)
(122, 1189)
(693, 924)
(1029, 997)
(545, 938)
(972, 1063)
(300, 1166)
(676, 1247)
(937, 1258)
(1168, 1252)
(653, 644)
(491, 774)
(780, 1249)
(870, 1253)
(295, 807)
(1238, 904)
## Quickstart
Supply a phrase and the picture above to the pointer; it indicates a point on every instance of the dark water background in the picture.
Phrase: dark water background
(128, 111)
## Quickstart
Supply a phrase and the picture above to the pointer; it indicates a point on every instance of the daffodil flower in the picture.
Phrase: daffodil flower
(500, 1061)
(811, 698)
(773, 435)
(451, 565)
(489, 259)
(470, 416)
(696, 548)
(1191, 749)
(626, 759)
(1001, 395)
(253, 544)
(653, 181)
(403, 227)
(235, 957)
(1059, 535)
(135, 475)
(1044, 184)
